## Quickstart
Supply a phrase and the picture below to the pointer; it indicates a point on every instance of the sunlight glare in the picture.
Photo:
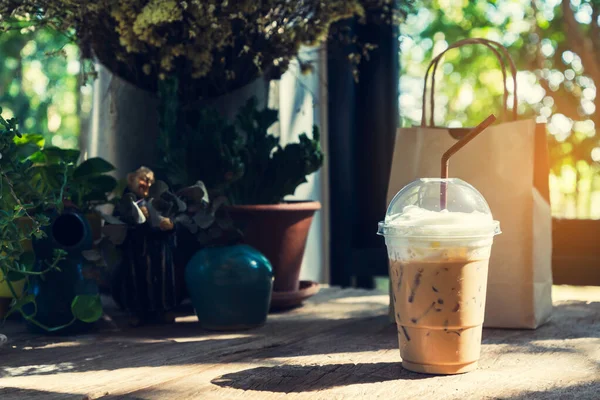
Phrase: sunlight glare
(589, 93)
(596, 154)
(465, 96)
(54, 119)
(560, 126)
(586, 127)
(73, 67)
(570, 74)
(567, 57)
(547, 48)
(584, 14)
(588, 107)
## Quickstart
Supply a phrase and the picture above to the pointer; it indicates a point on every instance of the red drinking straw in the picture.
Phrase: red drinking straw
(456, 147)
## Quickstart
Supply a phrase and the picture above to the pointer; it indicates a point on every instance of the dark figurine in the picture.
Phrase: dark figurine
(148, 280)
(144, 280)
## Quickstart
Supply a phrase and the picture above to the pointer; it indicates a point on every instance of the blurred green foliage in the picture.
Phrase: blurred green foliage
(556, 47)
(40, 77)
(555, 43)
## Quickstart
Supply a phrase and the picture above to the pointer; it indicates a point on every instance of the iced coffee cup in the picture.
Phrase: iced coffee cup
(439, 253)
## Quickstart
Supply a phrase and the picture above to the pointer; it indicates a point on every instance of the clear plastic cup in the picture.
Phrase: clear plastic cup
(438, 268)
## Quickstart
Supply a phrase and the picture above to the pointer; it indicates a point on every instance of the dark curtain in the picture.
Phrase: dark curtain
(363, 118)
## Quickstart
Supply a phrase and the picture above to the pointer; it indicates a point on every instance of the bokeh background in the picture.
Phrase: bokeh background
(41, 84)
(555, 43)
(556, 46)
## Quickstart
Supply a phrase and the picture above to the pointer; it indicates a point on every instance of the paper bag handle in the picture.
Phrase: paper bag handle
(496, 48)
(489, 44)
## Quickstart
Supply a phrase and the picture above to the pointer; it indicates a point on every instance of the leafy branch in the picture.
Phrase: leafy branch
(34, 180)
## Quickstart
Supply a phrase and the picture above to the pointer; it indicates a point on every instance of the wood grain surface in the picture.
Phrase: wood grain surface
(340, 345)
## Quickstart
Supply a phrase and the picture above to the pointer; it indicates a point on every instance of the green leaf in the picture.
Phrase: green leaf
(92, 166)
(26, 150)
(30, 138)
(22, 302)
(87, 308)
(55, 155)
(27, 260)
(38, 157)
(15, 276)
(102, 183)
(50, 174)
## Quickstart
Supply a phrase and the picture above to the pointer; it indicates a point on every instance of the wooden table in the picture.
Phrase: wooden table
(340, 345)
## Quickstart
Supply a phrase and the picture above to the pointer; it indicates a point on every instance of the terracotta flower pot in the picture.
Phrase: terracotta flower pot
(279, 231)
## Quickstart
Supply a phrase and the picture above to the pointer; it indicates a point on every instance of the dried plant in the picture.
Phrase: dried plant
(216, 46)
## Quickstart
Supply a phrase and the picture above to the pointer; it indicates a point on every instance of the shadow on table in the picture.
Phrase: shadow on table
(584, 391)
(305, 378)
(281, 337)
(11, 393)
(186, 343)
(571, 320)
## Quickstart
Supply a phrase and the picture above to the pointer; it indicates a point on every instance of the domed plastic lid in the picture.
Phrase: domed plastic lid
(418, 211)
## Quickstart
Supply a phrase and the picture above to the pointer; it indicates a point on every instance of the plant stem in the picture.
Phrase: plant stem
(45, 327)
(18, 201)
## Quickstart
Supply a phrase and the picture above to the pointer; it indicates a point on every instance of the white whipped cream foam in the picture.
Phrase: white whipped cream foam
(415, 221)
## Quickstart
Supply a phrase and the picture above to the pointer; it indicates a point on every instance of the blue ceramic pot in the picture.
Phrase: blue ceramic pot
(55, 290)
(230, 287)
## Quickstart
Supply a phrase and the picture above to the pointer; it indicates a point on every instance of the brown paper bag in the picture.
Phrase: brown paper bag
(500, 163)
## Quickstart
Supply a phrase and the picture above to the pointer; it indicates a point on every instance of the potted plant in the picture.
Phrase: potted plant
(34, 217)
(87, 186)
(247, 164)
(88, 183)
(19, 223)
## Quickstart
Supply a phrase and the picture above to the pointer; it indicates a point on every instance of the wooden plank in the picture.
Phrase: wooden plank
(130, 359)
(559, 360)
(576, 270)
(341, 345)
(576, 252)
(576, 236)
